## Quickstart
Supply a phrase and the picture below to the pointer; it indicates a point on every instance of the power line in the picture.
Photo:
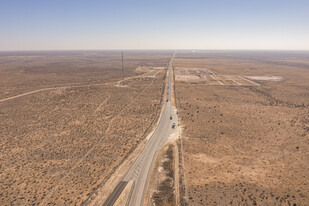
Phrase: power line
(122, 68)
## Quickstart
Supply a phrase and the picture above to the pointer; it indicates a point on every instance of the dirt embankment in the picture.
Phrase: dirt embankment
(161, 189)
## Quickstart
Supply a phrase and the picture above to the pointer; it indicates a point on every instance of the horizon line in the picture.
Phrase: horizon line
(56, 50)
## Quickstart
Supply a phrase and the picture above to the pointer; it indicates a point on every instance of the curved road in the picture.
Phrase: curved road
(141, 168)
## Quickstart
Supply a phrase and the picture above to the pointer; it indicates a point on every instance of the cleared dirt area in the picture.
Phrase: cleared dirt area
(265, 78)
(246, 144)
(59, 145)
(208, 77)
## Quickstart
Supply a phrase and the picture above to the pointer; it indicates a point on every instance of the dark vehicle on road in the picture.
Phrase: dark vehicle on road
(171, 117)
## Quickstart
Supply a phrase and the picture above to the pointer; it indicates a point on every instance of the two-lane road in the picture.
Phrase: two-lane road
(141, 168)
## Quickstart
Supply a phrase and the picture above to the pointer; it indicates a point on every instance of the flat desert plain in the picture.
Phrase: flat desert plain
(68, 120)
(245, 120)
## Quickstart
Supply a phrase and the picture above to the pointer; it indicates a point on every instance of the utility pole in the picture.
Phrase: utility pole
(122, 68)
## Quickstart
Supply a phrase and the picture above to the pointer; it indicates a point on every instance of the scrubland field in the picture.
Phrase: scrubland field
(67, 120)
(245, 119)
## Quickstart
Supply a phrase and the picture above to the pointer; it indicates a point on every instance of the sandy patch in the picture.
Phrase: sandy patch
(266, 78)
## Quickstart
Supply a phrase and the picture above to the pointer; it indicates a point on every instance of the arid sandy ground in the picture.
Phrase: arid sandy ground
(59, 144)
(246, 144)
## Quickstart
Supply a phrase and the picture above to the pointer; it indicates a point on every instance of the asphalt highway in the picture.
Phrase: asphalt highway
(140, 170)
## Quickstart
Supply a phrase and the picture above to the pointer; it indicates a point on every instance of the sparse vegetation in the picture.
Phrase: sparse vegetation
(246, 144)
(58, 145)
(165, 191)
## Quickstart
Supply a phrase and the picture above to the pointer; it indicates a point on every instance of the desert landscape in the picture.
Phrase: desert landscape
(245, 127)
(68, 120)
(154, 103)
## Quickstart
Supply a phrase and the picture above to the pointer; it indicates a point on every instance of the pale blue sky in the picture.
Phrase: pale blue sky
(154, 24)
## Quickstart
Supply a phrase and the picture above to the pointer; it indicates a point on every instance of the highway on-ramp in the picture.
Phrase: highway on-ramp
(140, 170)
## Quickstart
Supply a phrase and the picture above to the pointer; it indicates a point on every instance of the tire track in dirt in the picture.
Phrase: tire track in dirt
(109, 96)
(50, 88)
(70, 86)
(47, 198)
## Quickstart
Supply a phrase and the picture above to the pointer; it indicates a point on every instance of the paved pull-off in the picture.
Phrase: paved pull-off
(141, 168)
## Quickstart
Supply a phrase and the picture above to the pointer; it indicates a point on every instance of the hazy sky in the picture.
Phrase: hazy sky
(154, 24)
